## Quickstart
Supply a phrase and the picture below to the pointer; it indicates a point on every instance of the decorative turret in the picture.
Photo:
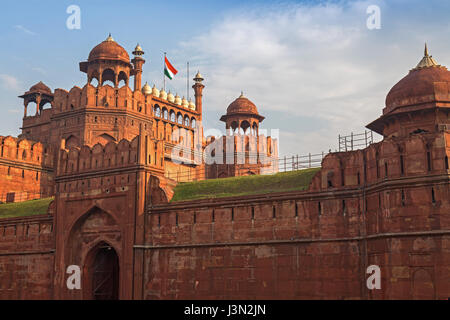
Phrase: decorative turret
(198, 90)
(170, 97)
(40, 94)
(418, 102)
(138, 62)
(108, 61)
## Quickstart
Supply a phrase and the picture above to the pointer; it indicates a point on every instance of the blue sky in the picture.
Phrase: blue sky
(313, 68)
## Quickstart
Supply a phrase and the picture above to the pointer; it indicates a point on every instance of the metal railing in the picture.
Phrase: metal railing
(355, 141)
(269, 166)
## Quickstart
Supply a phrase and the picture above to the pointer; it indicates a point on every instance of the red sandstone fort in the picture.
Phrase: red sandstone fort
(109, 162)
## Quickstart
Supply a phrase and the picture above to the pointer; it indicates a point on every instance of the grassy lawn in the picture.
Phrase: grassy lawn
(26, 208)
(247, 185)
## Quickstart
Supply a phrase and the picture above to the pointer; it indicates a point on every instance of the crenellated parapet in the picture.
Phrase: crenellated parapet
(26, 169)
(140, 151)
(26, 152)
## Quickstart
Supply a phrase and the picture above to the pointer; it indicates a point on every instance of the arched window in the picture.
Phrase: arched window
(157, 111)
(165, 114)
(172, 116)
(186, 121)
(180, 119)
(193, 122)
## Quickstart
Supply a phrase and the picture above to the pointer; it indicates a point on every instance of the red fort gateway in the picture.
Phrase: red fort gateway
(110, 160)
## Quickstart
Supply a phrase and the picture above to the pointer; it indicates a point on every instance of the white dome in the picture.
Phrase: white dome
(178, 100)
(170, 97)
(155, 91)
(146, 89)
(184, 102)
(191, 105)
(163, 94)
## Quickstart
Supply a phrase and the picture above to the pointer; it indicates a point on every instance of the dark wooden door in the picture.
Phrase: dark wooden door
(105, 277)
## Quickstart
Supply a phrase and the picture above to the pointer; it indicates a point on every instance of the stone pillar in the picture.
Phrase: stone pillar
(38, 102)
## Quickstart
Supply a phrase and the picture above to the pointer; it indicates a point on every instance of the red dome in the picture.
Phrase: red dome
(419, 86)
(40, 87)
(109, 50)
(242, 105)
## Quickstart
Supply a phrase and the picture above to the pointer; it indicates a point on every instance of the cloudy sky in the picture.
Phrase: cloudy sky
(313, 69)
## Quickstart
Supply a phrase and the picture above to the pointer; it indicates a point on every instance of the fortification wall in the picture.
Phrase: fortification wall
(27, 248)
(26, 170)
(386, 205)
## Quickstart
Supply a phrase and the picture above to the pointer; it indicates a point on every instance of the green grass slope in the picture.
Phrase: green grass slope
(247, 185)
(26, 208)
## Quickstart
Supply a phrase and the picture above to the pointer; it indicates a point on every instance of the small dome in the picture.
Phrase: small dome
(422, 84)
(242, 105)
(109, 50)
(191, 105)
(170, 97)
(155, 91)
(198, 77)
(178, 100)
(184, 102)
(40, 87)
(138, 50)
(146, 89)
(163, 94)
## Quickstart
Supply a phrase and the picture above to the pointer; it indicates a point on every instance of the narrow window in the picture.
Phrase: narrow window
(402, 167)
(429, 160)
(159, 220)
(343, 207)
(23, 173)
(403, 198)
(296, 209)
(385, 169)
(273, 212)
(359, 178)
(330, 184)
(213, 216)
(253, 213)
(446, 163)
(9, 171)
(433, 196)
(319, 208)
(232, 214)
(342, 177)
(176, 219)
(195, 217)
(37, 176)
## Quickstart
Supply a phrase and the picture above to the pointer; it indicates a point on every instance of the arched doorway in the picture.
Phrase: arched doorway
(102, 267)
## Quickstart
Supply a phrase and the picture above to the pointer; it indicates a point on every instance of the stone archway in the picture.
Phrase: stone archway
(101, 270)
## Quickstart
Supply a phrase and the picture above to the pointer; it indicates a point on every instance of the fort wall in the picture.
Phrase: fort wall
(27, 249)
(26, 170)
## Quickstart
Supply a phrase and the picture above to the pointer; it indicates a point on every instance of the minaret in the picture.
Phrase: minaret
(138, 61)
(198, 89)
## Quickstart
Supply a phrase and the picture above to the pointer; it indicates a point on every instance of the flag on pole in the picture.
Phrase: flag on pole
(169, 70)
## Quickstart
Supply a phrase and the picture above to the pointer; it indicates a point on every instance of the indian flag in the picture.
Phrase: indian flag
(169, 70)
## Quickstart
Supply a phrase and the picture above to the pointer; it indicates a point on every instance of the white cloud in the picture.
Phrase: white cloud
(23, 29)
(314, 71)
(9, 82)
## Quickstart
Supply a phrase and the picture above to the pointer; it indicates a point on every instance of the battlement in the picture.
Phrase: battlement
(139, 151)
(25, 151)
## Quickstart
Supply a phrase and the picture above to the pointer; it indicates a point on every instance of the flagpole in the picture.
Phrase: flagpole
(164, 67)
(187, 88)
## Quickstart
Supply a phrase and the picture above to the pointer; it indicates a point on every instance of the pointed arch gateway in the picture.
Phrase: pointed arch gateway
(94, 243)
(101, 270)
